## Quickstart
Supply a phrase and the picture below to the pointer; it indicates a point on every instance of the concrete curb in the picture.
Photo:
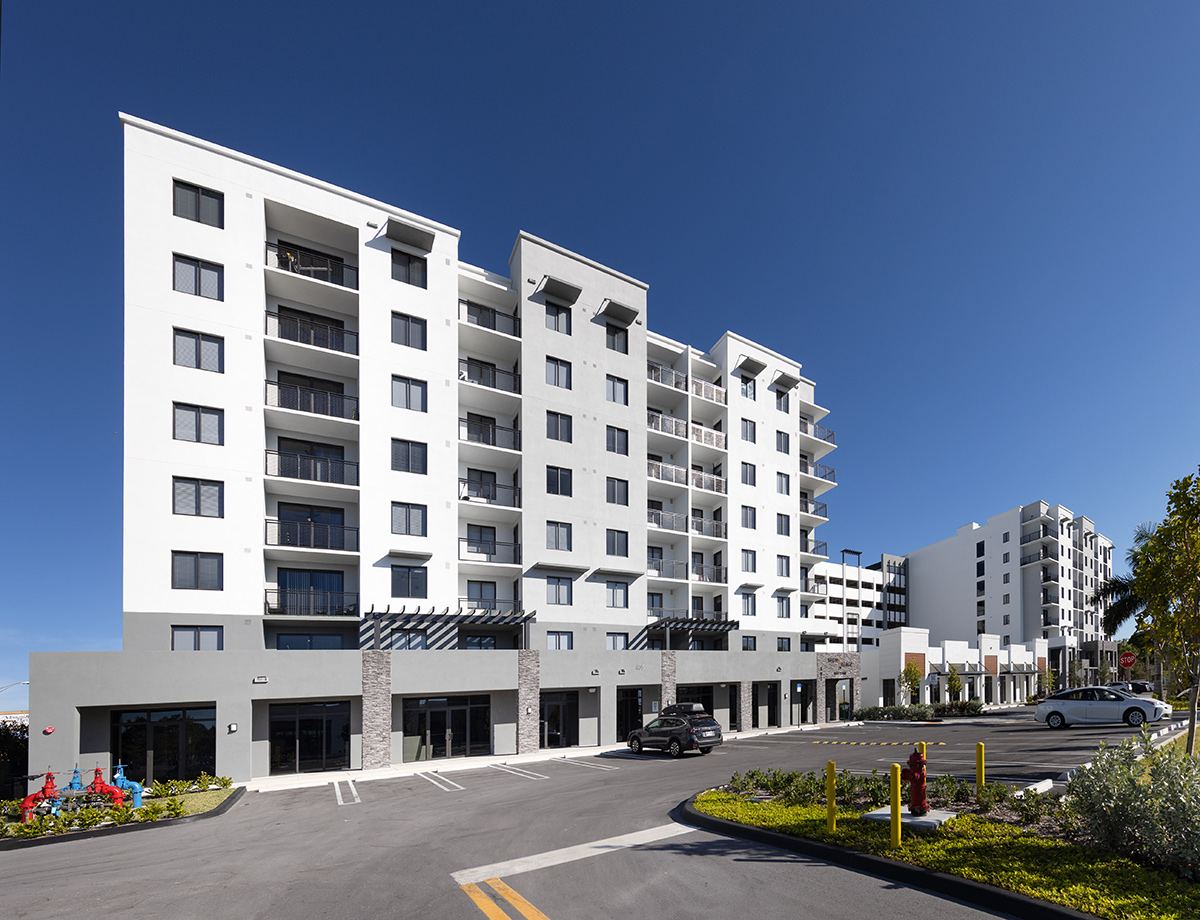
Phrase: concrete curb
(13, 843)
(1158, 736)
(976, 894)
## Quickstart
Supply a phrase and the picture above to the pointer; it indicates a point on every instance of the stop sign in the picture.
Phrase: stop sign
(1127, 659)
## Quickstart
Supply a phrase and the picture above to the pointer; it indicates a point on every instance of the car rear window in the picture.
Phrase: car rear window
(707, 722)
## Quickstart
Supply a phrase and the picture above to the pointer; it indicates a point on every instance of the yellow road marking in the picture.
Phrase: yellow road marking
(883, 743)
(526, 909)
(484, 903)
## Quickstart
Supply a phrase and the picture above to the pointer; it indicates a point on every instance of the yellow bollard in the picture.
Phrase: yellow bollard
(895, 805)
(831, 794)
(979, 774)
(921, 748)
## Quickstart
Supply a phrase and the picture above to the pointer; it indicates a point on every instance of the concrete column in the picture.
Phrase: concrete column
(376, 709)
(529, 700)
(668, 678)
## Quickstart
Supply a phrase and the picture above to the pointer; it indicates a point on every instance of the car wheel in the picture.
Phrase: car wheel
(635, 745)
(1055, 720)
(1134, 717)
(675, 748)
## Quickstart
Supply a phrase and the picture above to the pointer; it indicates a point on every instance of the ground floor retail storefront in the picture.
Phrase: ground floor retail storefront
(310, 737)
(435, 728)
(162, 744)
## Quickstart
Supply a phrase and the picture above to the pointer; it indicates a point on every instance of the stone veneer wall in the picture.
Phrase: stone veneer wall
(668, 678)
(839, 666)
(529, 700)
(376, 709)
(746, 705)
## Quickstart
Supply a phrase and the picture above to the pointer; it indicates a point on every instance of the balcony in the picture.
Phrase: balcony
(708, 481)
(306, 535)
(667, 568)
(311, 468)
(310, 264)
(316, 402)
(707, 527)
(488, 434)
(709, 391)
(308, 332)
(666, 472)
(815, 508)
(496, 604)
(709, 437)
(489, 551)
(487, 375)
(667, 424)
(667, 520)
(1045, 534)
(815, 547)
(814, 587)
(667, 376)
(1045, 552)
(684, 613)
(293, 603)
(818, 431)
(828, 473)
(710, 574)
(488, 318)
(489, 493)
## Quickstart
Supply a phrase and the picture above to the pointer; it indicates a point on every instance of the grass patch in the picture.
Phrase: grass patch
(196, 803)
(1105, 884)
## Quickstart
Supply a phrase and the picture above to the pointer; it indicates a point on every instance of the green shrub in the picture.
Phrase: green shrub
(992, 795)
(945, 789)
(804, 789)
(175, 808)
(958, 708)
(10, 809)
(123, 815)
(36, 826)
(151, 811)
(87, 818)
(918, 712)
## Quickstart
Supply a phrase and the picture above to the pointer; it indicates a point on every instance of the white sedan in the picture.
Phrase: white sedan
(1098, 704)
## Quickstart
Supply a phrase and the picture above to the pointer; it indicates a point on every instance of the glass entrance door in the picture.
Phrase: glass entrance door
(454, 726)
(309, 737)
(560, 719)
(629, 711)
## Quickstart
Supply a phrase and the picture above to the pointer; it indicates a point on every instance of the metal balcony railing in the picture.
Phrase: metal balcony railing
(819, 509)
(685, 613)
(667, 520)
(814, 587)
(817, 431)
(708, 481)
(316, 265)
(488, 318)
(488, 376)
(312, 536)
(1046, 576)
(292, 603)
(667, 424)
(667, 568)
(709, 391)
(1046, 552)
(667, 376)
(666, 472)
(828, 473)
(497, 604)
(318, 402)
(470, 550)
(707, 527)
(713, 574)
(489, 493)
(310, 467)
(307, 332)
(709, 437)
(814, 547)
(668, 612)
(491, 435)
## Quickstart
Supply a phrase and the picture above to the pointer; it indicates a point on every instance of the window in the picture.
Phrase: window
(783, 608)
(978, 569)
(1006, 577)
(1006, 559)
(409, 639)
(203, 352)
(558, 319)
(616, 642)
(748, 430)
(200, 424)
(749, 517)
(616, 338)
(410, 456)
(616, 594)
(616, 542)
(747, 387)
(1006, 597)
(204, 279)
(749, 604)
(479, 642)
(783, 483)
(203, 205)
(979, 548)
(783, 525)
(408, 330)
(294, 642)
(558, 481)
(783, 442)
(616, 390)
(558, 427)
(1004, 539)
(749, 643)
(201, 497)
(783, 566)
(782, 402)
(408, 393)
(558, 590)
(1006, 642)
(409, 581)
(1006, 618)
(197, 638)
(749, 560)
(197, 571)
(558, 535)
(408, 268)
(749, 474)
(616, 491)
(616, 440)
(979, 587)
(409, 519)
(558, 373)
(783, 644)
(559, 640)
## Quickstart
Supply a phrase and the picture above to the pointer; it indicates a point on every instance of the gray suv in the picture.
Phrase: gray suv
(679, 728)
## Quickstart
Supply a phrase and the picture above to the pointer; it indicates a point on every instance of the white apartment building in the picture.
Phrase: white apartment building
(385, 506)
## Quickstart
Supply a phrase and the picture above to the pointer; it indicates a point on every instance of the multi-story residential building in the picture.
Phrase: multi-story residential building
(858, 603)
(384, 506)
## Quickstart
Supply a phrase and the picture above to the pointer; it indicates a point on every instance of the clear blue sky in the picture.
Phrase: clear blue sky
(975, 225)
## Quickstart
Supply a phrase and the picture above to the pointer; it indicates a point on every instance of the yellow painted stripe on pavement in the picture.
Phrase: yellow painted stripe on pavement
(882, 743)
(484, 903)
(527, 910)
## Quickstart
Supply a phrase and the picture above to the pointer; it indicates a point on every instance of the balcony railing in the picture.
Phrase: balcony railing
(497, 604)
(667, 424)
(708, 481)
(817, 431)
(668, 612)
(489, 318)
(713, 574)
(808, 506)
(709, 437)
(488, 551)
(491, 435)
(709, 391)
(815, 547)
(814, 587)
(1046, 576)
(312, 536)
(488, 376)
(667, 376)
(318, 402)
(307, 332)
(667, 568)
(828, 473)
(707, 527)
(1045, 552)
(311, 264)
(666, 472)
(667, 520)
(295, 603)
(291, 465)
(489, 493)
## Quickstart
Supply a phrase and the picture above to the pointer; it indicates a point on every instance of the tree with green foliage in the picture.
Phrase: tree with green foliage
(910, 680)
(954, 684)
(1104, 672)
(1046, 680)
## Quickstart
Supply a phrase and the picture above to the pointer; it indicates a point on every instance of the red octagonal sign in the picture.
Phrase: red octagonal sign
(1127, 659)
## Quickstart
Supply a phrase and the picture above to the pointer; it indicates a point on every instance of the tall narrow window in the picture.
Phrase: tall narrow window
(616, 338)
(783, 483)
(558, 373)
(408, 268)
(616, 390)
(748, 387)
(616, 491)
(616, 440)
(558, 319)
(749, 474)
(749, 430)
(781, 400)
(783, 442)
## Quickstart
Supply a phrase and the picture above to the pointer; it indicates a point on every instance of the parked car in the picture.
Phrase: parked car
(1119, 685)
(1090, 705)
(1141, 686)
(679, 728)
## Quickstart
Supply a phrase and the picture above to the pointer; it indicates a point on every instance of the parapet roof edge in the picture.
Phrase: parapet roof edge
(771, 351)
(135, 122)
(591, 263)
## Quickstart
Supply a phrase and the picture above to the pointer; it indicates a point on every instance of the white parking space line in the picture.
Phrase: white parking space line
(580, 763)
(337, 790)
(569, 854)
(441, 782)
(353, 791)
(516, 771)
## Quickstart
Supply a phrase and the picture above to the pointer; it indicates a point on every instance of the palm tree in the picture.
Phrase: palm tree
(1120, 591)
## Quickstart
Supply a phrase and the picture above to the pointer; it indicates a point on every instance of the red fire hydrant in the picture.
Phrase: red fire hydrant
(915, 775)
